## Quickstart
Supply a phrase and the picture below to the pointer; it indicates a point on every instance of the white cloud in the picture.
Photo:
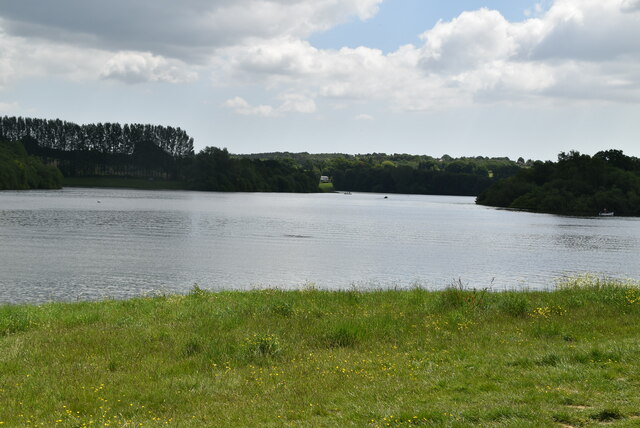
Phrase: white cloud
(137, 67)
(297, 103)
(241, 106)
(22, 57)
(588, 30)
(537, 10)
(571, 50)
(631, 5)
(185, 29)
(282, 56)
(8, 108)
(137, 41)
(469, 41)
(364, 117)
(577, 49)
(291, 103)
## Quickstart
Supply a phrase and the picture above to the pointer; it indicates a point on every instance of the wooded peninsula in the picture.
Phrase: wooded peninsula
(576, 184)
(39, 153)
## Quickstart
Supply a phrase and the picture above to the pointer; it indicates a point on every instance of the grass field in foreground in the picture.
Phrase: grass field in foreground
(454, 358)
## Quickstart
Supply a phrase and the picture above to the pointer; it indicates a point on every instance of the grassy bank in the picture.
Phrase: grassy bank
(314, 358)
(123, 182)
(326, 187)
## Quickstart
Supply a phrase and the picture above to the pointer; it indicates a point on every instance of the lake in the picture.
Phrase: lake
(85, 244)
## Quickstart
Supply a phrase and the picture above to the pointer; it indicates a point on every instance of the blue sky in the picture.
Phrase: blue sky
(401, 21)
(466, 78)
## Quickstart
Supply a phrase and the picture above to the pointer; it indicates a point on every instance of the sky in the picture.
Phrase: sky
(516, 78)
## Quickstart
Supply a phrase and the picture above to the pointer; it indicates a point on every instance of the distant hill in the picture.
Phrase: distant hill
(576, 184)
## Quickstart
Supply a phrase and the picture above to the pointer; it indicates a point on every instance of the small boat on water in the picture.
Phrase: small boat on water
(605, 213)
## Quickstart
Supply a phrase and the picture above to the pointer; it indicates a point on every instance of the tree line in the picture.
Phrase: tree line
(215, 169)
(135, 150)
(138, 151)
(110, 138)
(403, 173)
(577, 184)
(152, 151)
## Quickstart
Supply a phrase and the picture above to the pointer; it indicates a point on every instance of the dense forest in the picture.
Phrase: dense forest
(110, 138)
(215, 169)
(576, 184)
(150, 152)
(402, 173)
(166, 153)
(134, 150)
(20, 171)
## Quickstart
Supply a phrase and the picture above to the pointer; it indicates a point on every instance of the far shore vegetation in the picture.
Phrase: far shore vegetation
(576, 184)
(36, 151)
(20, 171)
(135, 151)
(567, 357)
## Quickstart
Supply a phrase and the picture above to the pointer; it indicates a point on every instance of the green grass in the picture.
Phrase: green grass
(123, 182)
(453, 358)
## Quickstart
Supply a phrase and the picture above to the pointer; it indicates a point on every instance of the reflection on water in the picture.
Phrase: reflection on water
(94, 243)
(583, 242)
(575, 234)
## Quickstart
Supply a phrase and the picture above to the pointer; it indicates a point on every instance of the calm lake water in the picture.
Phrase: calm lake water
(97, 243)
